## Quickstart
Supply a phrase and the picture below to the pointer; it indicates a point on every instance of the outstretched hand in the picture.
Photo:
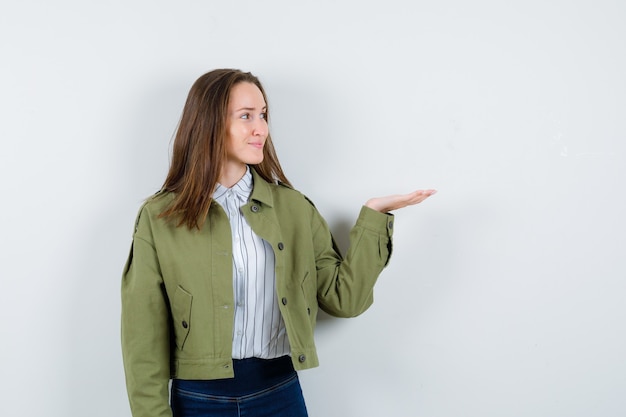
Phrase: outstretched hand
(398, 201)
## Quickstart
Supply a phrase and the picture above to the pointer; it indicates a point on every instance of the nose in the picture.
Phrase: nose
(260, 127)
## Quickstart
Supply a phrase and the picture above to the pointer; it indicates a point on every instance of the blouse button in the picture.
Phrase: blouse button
(255, 208)
(281, 246)
(284, 301)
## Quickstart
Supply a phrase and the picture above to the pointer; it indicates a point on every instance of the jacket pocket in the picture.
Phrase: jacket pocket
(181, 314)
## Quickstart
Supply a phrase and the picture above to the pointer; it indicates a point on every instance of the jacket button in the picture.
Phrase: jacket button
(254, 208)
(391, 225)
(185, 325)
(308, 311)
(301, 358)
(281, 246)
(284, 301)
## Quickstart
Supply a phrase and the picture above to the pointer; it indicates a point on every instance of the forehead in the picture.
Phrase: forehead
(246, 94)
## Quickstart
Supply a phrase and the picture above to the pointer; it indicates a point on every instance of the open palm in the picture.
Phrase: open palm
(398, 201)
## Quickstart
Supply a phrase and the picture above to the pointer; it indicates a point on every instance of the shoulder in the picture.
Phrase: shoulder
(152, 207)
(286, 194)
(292, 205)
(156, 203)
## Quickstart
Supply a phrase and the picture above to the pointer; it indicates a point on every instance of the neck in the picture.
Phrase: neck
(231, 174)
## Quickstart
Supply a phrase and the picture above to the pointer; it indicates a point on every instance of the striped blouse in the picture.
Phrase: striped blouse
(259, 330)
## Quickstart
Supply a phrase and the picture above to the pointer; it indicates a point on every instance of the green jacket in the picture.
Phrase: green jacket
(177, 289)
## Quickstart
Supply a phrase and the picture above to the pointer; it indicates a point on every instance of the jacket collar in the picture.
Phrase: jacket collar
(261, 189)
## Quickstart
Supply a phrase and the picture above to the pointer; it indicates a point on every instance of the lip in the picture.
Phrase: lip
(256, 144)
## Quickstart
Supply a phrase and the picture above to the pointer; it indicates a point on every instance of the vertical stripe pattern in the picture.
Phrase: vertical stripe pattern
(259, 330)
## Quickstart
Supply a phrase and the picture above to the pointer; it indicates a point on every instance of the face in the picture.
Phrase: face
(246, 126)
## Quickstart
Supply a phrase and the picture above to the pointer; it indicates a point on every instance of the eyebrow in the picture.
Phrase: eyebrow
(250, 108)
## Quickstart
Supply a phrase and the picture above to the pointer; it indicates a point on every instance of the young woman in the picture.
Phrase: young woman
(229, 266)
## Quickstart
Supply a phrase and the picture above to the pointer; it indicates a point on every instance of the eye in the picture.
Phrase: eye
(245, 116)
(263, 116)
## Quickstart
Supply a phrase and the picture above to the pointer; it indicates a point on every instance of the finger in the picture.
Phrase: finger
(418, 196)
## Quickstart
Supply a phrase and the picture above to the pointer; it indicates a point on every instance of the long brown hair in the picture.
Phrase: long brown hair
(199, 147)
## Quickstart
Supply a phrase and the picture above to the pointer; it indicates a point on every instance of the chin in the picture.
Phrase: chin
(254, 161)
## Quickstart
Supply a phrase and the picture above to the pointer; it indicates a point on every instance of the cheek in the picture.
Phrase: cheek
(238, 133)
(233, 146)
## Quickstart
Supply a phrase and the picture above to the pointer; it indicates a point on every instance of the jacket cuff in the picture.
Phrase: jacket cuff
(381, 223)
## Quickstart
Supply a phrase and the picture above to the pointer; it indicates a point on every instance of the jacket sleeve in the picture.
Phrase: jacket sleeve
(345, 286)
(145, 327)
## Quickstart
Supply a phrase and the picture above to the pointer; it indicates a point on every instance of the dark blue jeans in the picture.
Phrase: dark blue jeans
(261, 388)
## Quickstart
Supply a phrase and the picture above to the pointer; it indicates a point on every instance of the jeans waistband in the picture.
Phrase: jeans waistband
(251, 375)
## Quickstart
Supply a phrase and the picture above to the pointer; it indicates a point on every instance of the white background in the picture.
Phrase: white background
(506, 293)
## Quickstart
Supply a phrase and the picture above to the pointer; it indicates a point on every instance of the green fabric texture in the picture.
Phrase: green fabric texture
(177, 289)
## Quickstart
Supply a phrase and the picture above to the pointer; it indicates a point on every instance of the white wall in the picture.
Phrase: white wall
(506, 294)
